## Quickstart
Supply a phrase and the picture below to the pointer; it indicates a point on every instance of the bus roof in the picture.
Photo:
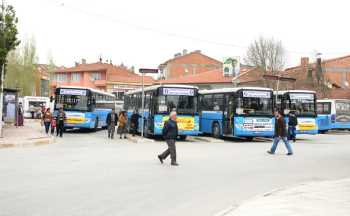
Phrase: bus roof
(154, 87)
(225, 90)
(295, 91)
(91, 89)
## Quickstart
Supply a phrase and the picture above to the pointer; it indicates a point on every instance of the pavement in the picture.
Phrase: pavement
(31, 134)
(309, 199)
(84, 173)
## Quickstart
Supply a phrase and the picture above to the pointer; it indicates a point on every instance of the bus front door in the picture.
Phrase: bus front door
(228, 115)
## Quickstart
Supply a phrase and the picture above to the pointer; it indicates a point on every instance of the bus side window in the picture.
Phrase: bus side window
(218, 102)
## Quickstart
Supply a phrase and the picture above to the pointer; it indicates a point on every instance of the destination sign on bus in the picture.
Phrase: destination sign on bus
(257, 94)
(178, 91)
(73, 92)
(301, 96)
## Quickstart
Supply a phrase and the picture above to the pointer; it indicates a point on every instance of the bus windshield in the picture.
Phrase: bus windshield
(72, 102)
(303, 104)
(182, 104)
(255, 103)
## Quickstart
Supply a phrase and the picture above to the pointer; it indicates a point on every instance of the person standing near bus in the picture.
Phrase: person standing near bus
(122, 120)
(60, 118)
(20, 117)
(47, 118)
(280, 134)
(292, 123)
(112, 121)
(170, 133)
(134, 122)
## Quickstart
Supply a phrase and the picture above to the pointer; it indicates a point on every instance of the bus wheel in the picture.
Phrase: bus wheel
(182, 137)
(249, 139)
(216, 130)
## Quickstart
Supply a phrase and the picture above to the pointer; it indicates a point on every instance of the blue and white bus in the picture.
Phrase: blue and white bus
(84, 107)
(160, 100)
(333, 114)
(239, 112)
(303, 104)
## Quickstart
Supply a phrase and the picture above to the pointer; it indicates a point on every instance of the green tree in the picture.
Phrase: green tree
(8, 33)
(51, 67)
(22, 68)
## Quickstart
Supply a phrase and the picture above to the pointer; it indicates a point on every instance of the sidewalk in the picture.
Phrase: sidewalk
(31, 134)
(312, 199)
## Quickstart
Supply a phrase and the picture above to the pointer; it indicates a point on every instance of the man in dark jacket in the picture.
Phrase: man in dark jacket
(112, 121)
(292, 123)
(280, 134)
(170, 133)
(60, 119)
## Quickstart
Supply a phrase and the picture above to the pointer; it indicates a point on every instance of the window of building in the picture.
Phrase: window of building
(75, 77)
(60, 77)
(96, 76)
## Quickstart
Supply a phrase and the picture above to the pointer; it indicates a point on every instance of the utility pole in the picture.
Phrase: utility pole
(2, 70)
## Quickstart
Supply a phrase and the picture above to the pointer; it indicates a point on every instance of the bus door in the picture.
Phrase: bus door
(228, 120)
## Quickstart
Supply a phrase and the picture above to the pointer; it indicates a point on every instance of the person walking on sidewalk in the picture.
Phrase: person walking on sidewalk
(122, 120)
(47, 118)
(292, 123)
(170, 133)
(280, 134)
(61, 117)
(112, 121)
(134, 122)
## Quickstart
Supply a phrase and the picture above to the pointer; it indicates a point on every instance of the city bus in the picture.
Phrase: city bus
(159, 101)
(240, 112)
(303, 104)
(84, 107)
(333, 114)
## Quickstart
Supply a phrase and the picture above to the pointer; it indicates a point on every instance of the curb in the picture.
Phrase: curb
(29, 143)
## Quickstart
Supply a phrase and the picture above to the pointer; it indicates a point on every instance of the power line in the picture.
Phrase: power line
(167, 33)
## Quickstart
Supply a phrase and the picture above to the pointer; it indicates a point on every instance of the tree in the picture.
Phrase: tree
(8, 33)
(21, 68)
(267, 54)
(51, 67)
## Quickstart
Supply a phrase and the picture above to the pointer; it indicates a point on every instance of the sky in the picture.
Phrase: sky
(144, 33)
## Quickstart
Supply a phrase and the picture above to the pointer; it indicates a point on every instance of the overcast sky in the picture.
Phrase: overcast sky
(146, 33)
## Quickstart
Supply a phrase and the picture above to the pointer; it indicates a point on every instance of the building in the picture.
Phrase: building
(42, 81)
(188, 64)
(216, 78)
(330, 77)
(102, 76)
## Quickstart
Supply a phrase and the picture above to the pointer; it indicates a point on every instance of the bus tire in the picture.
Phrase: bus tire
(216, 132)
(182, 137)
(249, 139)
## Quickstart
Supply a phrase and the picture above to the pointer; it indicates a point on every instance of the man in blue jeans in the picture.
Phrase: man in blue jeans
(280, 134)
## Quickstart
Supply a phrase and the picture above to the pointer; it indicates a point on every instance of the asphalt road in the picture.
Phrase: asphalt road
(86, 174)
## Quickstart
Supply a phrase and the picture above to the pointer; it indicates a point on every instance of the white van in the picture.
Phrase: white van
(32, 105)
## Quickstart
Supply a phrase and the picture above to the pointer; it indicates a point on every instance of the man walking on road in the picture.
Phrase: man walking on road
(170, 132)
(112, 121)
(280, 134)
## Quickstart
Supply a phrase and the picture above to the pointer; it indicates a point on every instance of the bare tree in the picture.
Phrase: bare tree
(267, 54)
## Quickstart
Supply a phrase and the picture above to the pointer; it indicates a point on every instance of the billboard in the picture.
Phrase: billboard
(231, 66)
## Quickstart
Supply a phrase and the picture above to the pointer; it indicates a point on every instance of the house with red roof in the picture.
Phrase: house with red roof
(101, 76)
(188, 64)
(330, 78)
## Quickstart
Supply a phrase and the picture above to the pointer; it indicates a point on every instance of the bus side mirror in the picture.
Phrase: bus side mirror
(51, 98)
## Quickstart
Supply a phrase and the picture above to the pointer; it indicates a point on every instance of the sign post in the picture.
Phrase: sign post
(143, 71)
